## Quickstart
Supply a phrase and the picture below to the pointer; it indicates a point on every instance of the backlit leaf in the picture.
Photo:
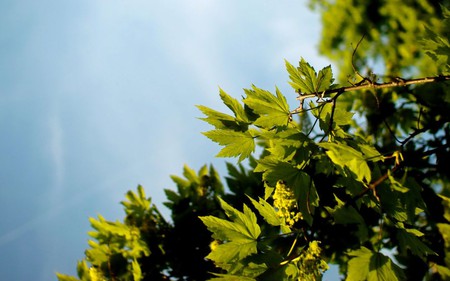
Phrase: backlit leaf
(368, 265)
(306, 80)
(272, 110)
(235, 143)
(346, 156)
(234, 105)
(267, 212)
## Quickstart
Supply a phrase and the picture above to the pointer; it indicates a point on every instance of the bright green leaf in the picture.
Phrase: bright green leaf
(368, 265)
(267, 212)
(272, 110)
(242, 228)
(235, 106)
(346, 156)
(324, 79)
(443, 271)
(444, 229)
(306, 80)
(247, 219)
(240, 144)
(226, 230)
(233, 251)
(136, 270)
(64, 277)
(230, 277)
(218, 119)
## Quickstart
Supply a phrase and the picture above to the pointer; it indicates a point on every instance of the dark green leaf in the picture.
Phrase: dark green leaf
(346, 214)
(409, 240)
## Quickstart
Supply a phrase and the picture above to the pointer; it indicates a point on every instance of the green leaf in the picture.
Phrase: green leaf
(272, 110)
(309, 80)
(444, 229)
(346, 156)
(396, 185)
(240, 235)
(446, 205)
(83, 270)
(267, 211)
(224, 121)
(294, 75)
(235, 106)
(240, 144)
(268, 191)
(243, 227)
(324, 79)
(137, 203)
(346, 214)
(443, 271)
(409, 240)
(136, 270)
(233, 251)
(370, 153)
(113, 228)
(64, 277)
(230, 277)
(368, 265)
(438, 47)
(247, 218)
(218, 119)
(226, 230)
(306, 80)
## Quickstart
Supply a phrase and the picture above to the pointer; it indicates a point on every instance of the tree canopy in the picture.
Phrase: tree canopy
(356, 175)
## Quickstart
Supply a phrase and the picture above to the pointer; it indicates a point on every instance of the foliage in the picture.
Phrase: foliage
(384, 24)
(356, 175)
(147, 247)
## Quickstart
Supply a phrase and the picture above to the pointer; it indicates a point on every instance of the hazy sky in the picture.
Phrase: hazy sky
(99, 96)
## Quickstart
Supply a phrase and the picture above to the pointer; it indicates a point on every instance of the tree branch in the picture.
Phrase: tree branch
(398, 82)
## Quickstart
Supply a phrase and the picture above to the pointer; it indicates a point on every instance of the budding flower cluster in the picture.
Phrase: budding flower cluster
(311, 266)
(286, 204)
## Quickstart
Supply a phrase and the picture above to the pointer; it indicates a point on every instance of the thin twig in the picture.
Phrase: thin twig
(418, 118)
(353, 57)
(412, 135)
(390, 131)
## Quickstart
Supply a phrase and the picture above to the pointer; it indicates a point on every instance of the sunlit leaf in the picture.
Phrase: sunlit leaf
(368, 265)
(346, 156)
(267, 211)
(236, 144)
(272, 110)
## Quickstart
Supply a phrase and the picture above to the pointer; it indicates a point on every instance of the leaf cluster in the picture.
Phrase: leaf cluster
(351, 196)
(356, 176)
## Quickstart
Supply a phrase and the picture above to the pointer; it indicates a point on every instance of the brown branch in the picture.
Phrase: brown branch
(372, 186)
(398, 82)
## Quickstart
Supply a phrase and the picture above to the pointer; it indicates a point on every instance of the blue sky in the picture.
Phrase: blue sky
(99, 96)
